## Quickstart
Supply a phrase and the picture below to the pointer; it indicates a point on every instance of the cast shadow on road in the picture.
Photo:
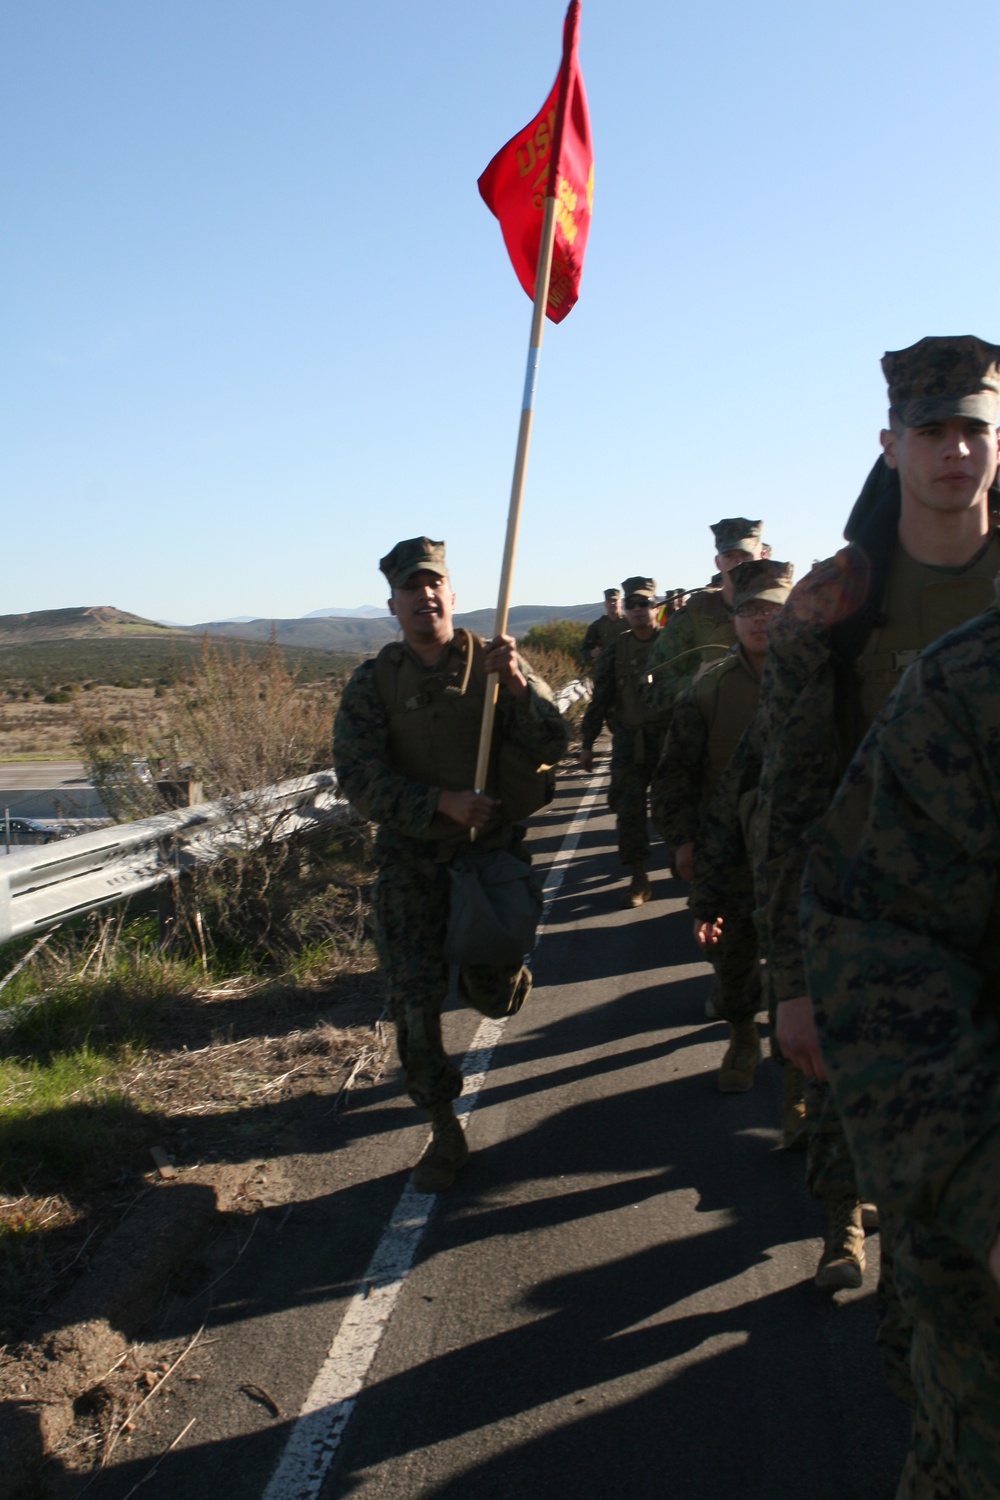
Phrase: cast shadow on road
(614, 1027)
(682, 1367)
(676, 1367)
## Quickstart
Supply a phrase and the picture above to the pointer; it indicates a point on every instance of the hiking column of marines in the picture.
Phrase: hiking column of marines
(823, 763)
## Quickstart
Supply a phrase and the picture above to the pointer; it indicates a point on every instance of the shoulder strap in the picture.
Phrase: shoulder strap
(391, 657)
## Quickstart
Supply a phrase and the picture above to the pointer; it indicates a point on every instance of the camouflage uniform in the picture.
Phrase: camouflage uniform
(705, 726)
(600, 633)
(701, 631)
(820, 689)
(901, 926)
(812, 708)
(414, 844)
(696, 635)
(620, 700)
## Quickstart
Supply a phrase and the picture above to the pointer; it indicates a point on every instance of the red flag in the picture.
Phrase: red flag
(550, 157)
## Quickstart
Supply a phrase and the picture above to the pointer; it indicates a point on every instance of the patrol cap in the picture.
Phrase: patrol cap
(612, 593)
(943, 377)
(737, 534)
(761, 578)
(637, 585)
(410, 557)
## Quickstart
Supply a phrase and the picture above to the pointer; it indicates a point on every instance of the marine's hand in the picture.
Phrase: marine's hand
(707, 934)
(586, 758)
(501, 658)
(470, 809)
(684, 861)
(831, 590)
(797, 1038)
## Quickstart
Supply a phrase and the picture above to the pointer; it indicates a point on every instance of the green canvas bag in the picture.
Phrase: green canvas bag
(495, 908)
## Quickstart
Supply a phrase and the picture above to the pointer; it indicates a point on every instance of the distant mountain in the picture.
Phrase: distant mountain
(343, 633)
(81, 623)
(363, 612)
(357, 633)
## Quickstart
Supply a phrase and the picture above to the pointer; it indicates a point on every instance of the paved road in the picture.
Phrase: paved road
(616, 1300)
(30, 774)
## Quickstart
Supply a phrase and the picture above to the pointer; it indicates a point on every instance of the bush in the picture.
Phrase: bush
(555, 635)
(553, 649)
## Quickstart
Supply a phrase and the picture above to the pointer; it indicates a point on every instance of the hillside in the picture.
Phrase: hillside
(82, 623)
(341, 634)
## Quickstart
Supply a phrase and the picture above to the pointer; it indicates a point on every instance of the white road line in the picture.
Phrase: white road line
(316, 1436)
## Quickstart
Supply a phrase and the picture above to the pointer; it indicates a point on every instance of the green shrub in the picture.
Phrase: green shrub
(555, 635)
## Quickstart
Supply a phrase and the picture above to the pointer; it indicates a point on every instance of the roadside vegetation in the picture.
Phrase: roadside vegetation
(553, 649)
(45, 682)
(113, 1043)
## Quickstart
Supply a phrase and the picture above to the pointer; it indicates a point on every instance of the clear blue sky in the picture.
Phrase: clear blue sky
(257, 324)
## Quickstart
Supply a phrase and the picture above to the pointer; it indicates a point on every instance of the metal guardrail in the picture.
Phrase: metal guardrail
(42, 886)
(574, 692)
(45, 885)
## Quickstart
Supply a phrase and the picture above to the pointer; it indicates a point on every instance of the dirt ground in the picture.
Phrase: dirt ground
(217, 1104)
(31, 729)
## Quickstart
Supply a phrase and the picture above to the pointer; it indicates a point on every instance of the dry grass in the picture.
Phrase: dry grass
(243, 722)
(35, 730)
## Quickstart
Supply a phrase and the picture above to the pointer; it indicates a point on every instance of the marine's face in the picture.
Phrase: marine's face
(751, 623)
(944, 466)
(639, 613)
(613, 609)
(424, 605)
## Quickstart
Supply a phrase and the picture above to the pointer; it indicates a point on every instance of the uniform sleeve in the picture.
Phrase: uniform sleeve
(603, 697)
(360, 738)
(533, 721)
(899, 897)
(676, 788)
(673, 660)
(590, 640)
(722, 883)
(796, 719)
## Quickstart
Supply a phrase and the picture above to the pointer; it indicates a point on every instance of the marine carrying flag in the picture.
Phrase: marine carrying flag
(550, 157)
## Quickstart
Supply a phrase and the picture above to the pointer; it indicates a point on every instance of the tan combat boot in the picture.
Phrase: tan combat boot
(444, 1155)
(640, 889)
(793, 1110)
(742, 1057)
(842, 1264)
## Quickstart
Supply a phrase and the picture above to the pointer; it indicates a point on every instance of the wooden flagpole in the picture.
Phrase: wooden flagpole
(517, 484)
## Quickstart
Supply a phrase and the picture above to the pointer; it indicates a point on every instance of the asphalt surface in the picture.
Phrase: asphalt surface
(616, 1299)
(28, 775)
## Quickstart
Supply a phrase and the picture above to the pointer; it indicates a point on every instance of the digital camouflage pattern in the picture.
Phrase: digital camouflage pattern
(943, 377)
(695, 636)
(619, 700)
(763, 578)
(722, 872)
(901, 929)
(415, 555)
(410, 898)
(708, 721)
(737, 534)
(814, 708)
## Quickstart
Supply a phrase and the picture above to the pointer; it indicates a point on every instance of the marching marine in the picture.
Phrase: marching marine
(610, 625)
(922, 553)
(405, 744)
(702, 630)
(621, 700)
(707, 721)
(901, 927)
